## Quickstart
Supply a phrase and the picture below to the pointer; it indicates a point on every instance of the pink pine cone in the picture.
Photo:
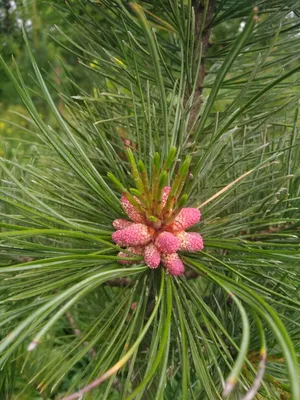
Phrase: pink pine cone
(155, 242)
(139, 250)
(152, 256)
(134, 235)
(186, 218)
(167, 242)
(173, 264)
(121, 223)
(190, 241)
(131, 211)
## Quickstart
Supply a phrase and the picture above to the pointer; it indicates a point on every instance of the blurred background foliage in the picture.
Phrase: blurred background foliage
(39, 19)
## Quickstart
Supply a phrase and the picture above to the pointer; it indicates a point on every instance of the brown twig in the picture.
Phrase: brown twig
(190, 274)
(266, 232)
(202, 35)
(72, 322)
(120, 282)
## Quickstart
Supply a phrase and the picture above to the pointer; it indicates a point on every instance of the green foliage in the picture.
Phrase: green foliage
(70, 313)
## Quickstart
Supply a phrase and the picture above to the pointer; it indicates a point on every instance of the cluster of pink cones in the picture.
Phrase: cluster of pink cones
(157, 242)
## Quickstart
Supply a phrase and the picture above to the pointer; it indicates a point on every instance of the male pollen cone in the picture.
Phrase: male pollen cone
(133, 235)
(131, 211)
(152, 255)
(167, 242)
(186, 218)
(138, 250)
(190, 241)
(173, 264)
(121, 223)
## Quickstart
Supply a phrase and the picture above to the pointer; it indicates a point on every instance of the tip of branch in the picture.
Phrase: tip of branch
(33, 345)
(134, 6)
(229, 386)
